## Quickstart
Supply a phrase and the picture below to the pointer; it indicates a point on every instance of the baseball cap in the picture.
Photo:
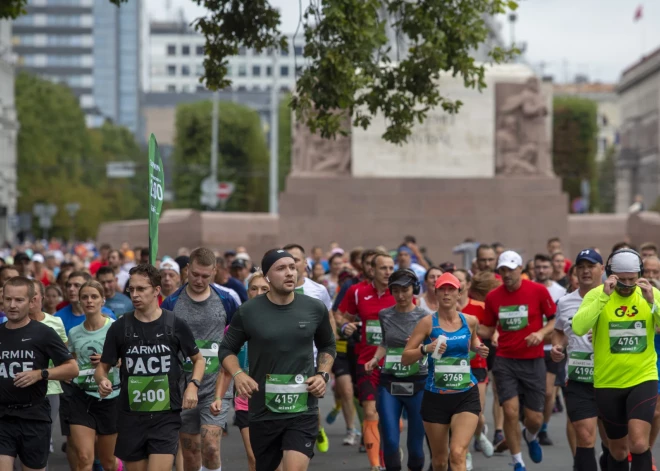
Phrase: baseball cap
(447, 279)
(589, 255)
(447, 267)
(38, 258)
(239, 263)
(170, 265)
(242, 256)
(510, 259)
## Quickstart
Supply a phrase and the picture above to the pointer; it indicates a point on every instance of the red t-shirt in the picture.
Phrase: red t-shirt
(476, 309)
(62, 305)
(521, 312)
(364, 302)
(95, 265)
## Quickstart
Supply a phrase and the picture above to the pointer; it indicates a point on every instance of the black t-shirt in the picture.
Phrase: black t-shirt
(150, 362)
(27, 348)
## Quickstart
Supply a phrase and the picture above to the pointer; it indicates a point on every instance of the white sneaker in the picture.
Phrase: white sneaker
(351, 438)
(485, 445)
(468, 462)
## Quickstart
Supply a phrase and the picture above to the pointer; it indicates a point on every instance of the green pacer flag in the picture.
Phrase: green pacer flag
(156, 189)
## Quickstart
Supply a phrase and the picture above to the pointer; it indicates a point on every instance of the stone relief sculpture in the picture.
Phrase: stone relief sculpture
(521, 137)
(312, 154)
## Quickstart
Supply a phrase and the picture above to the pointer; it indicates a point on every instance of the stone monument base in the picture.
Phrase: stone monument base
(520, 212)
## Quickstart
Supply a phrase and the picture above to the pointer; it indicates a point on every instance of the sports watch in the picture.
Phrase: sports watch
(324, 375)
(44, 374)
(195, 382)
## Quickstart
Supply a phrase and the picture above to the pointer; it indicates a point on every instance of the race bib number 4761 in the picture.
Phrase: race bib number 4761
(628, 337)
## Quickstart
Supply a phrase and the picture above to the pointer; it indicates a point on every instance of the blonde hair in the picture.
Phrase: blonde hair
(93, 284)
(254, 276)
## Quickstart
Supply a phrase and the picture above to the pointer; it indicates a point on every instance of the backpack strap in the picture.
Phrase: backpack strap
(169, 324)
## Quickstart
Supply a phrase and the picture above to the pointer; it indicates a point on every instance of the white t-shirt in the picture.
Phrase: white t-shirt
(566, 309)
(556, 291)
(122, 278)
(318, 291)
(421, 302)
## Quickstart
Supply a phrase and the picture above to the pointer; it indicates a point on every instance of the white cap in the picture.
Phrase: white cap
(38, 258)
(242, 256)
(170, 265)
(510, 259)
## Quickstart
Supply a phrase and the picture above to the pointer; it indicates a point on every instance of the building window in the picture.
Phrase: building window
(199, 50)
(242, 70)
(241, 51)
(256, 88)
(298, 50)
(269, 71)
(171, 50)
(284, 88)
(171, 88)
(284, 52)
(199, 70)
(284, 71)
(298, 71)
(185, 50)
(242, 88)
(201, 88)
(171, 70)
(256, 71)
(185, 88)
(185, 70)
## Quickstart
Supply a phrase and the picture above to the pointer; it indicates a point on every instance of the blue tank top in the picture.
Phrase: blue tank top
(452, 373)
(657, 350)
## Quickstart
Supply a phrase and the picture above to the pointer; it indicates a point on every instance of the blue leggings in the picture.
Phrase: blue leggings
(389, 412)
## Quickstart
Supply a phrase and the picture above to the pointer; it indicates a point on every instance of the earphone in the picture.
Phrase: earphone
(267, 280)
(608, 264)
(406, 272)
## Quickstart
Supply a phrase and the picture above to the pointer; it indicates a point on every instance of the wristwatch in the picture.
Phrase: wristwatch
(44, 375)
(324, 375)
(195, 382)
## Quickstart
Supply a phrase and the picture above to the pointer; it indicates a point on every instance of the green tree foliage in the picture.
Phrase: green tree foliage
(607, 182)
(60, 161)
(350, 61)
(574, 145)
(242, 155)
(285, 137)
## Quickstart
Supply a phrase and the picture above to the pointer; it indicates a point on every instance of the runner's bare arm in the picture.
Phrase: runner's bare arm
(412, 353)
(485, 331)
(559, 338)
(222, 384)
(101, 372)
(324, 339)
(199, 364)
(548, 328)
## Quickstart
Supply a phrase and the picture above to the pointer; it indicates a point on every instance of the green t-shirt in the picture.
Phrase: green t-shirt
(84, 343)
(56, 324)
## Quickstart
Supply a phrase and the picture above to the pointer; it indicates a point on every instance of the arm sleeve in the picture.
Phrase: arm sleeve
(233, 339)
(110, 354)
(186, 338)
(55, 348)
(490, 317)
(587, 316)
(324, 337)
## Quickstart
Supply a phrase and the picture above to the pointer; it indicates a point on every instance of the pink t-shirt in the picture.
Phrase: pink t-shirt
(240, 404)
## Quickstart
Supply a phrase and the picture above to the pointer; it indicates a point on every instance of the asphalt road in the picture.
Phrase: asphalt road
(557, 457)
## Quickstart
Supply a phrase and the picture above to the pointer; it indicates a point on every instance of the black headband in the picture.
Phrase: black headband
(271, 257)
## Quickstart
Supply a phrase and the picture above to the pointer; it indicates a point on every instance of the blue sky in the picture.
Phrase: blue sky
(597, 38)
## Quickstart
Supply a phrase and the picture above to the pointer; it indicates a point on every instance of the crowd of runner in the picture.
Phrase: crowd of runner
(145, 366)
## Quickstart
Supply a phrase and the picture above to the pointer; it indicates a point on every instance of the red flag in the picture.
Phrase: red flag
(638, 13)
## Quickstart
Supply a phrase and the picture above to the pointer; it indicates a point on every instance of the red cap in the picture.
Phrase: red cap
(447, 279)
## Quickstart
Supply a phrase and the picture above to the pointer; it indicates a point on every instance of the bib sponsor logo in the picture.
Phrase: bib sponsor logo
(144, 359)
(625, 311)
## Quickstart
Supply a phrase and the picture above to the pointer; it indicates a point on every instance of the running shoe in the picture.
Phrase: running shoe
(322, 441)
(518, 467)
(468, 462)
(544, 439)
(499, 442)
(351, 437)
(332, 415)
(534, 448)
(485, 446)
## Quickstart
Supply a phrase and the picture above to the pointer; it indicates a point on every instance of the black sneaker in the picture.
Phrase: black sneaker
(499, 442)
(544, 439)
